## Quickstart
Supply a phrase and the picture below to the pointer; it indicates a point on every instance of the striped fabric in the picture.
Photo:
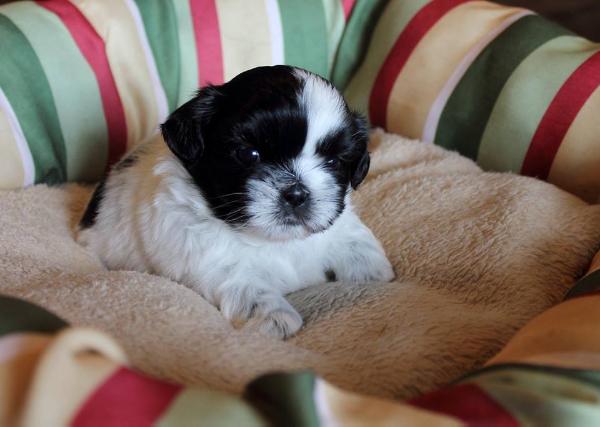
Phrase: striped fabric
(498, 84)
(53, 374)
(82, 81)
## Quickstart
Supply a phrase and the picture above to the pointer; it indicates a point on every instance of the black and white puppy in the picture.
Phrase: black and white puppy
(244, 198)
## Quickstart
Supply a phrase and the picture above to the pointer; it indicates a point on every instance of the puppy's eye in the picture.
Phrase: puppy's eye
(248, 156)
(332, 163)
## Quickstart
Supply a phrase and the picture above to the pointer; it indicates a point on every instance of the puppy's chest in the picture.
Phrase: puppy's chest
(230, 247)
(227, 256)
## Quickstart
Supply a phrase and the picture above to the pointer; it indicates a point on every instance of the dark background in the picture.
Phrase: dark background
(580, 16)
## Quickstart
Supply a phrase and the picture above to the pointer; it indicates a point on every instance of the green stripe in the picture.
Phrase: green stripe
(84, 129)
(586, 285)
(394, 19)
(591, 377)
(23, 80)
(524, 100)
(17, 315)
(335, 21)
(305, 35)
(355, 39)
(188, 68)
(466, 114)
(212, 408)
(560, 397)
(160, 23)
(285, 399)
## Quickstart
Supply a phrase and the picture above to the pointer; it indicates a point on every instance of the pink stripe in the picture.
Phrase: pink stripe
(208, 41)
(347, 5)
(126, 399)
(469, 403)
(561, 113)
(92, 47)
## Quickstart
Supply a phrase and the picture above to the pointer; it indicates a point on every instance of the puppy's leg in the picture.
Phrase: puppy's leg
(268, 311)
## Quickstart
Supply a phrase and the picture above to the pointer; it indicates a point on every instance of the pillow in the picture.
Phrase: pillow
(84, 80)
(476, 256)
(501, 85)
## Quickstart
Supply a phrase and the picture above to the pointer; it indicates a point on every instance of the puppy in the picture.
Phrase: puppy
(244, 198)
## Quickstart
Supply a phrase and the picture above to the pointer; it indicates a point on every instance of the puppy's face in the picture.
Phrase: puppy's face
(274, 151)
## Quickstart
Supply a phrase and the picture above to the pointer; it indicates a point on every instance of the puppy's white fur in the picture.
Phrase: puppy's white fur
(154, 219)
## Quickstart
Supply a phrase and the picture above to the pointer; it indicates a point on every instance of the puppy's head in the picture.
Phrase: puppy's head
(274, 151)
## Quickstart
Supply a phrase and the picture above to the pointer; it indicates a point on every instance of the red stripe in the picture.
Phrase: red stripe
(347, 5)
(407, 41)
(208, 41)
(559, 117)
(92, 48)
(468, 403)
(126, 399)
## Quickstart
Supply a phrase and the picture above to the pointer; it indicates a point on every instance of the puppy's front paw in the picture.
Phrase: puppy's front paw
(364, 264)
(267, 311)
(279, 323)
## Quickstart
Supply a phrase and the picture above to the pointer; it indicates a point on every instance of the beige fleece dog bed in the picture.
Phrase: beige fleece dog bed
(476, 254)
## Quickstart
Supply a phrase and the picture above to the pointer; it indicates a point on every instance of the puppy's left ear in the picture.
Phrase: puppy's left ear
(185, 128)
(360, 139)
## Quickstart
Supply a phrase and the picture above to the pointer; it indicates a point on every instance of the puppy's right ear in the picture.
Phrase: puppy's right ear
(185, 128)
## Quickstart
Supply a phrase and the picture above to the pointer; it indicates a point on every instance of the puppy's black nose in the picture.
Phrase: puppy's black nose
(295, 195)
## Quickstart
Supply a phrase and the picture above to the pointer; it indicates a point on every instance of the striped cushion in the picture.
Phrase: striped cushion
(547, 375)
(500, 85)
(81, 81)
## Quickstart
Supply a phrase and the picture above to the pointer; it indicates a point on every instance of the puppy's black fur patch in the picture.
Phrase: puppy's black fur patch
(259, 109)
(330, 276)
(91, 212)
(126, 162)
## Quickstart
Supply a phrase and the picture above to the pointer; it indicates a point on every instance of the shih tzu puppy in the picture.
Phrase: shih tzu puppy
(245, 197)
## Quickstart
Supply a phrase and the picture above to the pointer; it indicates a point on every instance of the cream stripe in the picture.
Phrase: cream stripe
(434, 59)
(326, 414)
(335, 22)
(159, 91)
(576, 166)
(395, 17)
(11, 169)
(245, 37)
(336, 407)
(11, 129)
(433, 118)
(114, 22)
(276, 31)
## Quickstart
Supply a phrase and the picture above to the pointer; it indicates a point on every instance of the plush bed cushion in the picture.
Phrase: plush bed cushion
(477, 255)
(501, 85)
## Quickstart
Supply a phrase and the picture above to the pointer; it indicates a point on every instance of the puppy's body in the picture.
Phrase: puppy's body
(240, 245)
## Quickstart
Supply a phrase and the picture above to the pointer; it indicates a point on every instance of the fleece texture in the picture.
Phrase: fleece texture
(476, 255)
